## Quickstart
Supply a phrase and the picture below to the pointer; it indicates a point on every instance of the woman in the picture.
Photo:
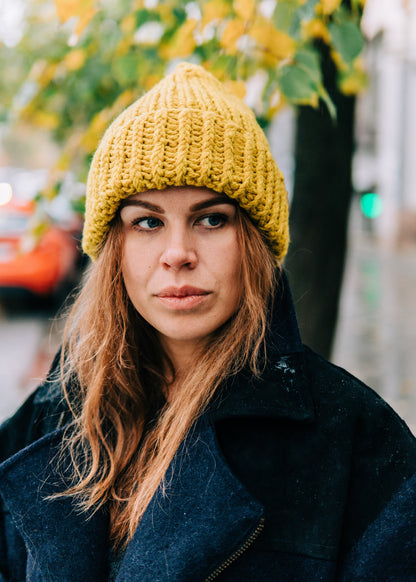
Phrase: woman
(185, 433)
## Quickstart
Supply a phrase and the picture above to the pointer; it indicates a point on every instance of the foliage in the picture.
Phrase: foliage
(81, 62)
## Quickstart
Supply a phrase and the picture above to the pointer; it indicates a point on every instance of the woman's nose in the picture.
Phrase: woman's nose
(179, 251)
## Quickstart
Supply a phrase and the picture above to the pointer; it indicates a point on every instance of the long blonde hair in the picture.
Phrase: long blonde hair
(124, 434)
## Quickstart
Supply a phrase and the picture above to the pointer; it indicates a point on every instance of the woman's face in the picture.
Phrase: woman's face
(181, 262)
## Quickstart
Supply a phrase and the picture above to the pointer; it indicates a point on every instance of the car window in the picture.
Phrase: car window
(12, 223)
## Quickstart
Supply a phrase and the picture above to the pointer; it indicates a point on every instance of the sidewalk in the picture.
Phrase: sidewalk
(29, 343)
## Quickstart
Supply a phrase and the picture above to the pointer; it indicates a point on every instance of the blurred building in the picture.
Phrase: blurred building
(386, 118)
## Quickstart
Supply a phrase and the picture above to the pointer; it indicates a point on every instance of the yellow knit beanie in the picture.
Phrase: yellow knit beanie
(187, 130)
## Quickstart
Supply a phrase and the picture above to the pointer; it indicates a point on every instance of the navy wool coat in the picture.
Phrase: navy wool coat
(303, 475)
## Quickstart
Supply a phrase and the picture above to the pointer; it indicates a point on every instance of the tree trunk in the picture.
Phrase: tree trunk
(319, 213)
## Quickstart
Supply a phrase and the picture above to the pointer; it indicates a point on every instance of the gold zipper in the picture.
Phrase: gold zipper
(238, 552)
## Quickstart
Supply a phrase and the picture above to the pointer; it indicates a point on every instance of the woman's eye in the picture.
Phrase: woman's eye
(213, 220)
(147, 222)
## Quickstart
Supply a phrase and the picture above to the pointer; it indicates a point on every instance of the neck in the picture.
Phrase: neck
(183, 356)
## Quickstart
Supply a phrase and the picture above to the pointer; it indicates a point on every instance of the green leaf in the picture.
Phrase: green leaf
(207, 49)
(283, 15)
(307, 10)
(303, 13)
(297, 85)
(263, 121)
(308, 59)
(323, 94)
(179, 13)
(347, 39)
(226, 63)
(125, 68)
(78, 205)
(143, 16)
(301, 83)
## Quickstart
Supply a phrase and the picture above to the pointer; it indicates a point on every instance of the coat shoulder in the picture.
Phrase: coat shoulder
(41, 413)
(344, 395)
(380, 447)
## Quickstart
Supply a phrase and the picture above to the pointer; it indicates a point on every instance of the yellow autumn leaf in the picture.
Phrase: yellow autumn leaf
(312, 101)
(45, 119)
(28, 111)
(217, 71)
(66, 9)
(212, 11)
(352, 85)
(84, 20)
(64, 162)
(47, 74)
(244, 9)
(75, 59)
(123, 46)
(359, 65)
(273, 42)
(353, 82)
(237, 88)
(315, 28)
(232, 32)
(183, 42)
(93, 134)
(128, 24)
(150, 81)
(38, 227)
(339, 62)
(122, 101)
(329, 6)
(276, 102)
(165, 11)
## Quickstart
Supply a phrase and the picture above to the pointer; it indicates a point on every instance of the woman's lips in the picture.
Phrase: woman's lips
(182, 297)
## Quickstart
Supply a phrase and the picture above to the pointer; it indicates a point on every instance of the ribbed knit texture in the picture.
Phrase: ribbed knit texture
(187, 130)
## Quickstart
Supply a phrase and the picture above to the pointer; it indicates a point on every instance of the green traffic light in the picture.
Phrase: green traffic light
(371, 205)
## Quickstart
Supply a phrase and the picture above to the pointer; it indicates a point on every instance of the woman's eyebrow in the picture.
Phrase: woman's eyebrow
(211, 202)
(143, 204)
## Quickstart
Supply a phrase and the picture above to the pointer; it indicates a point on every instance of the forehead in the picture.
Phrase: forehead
(178, 194)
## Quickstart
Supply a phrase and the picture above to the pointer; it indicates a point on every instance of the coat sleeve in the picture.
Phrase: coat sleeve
(387, 550)
(24, 427)
(42, 412)
(12, 549)
(380, 516)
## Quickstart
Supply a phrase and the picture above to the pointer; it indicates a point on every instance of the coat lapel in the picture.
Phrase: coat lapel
(62, 543)
(205, 516)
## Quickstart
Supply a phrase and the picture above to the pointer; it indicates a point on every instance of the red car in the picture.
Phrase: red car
(41, 268)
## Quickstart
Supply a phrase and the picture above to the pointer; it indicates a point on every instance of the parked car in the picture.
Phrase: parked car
(41, 266)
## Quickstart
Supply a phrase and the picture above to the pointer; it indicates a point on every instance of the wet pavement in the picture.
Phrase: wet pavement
(29, 338)
(376, 336)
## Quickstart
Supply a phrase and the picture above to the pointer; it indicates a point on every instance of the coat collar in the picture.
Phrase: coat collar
(188, 530)
(284, 337)
(282, 391)
(186, 536)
